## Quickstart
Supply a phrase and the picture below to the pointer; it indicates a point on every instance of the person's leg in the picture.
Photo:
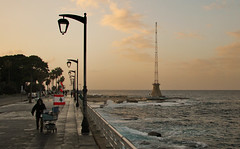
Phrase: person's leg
(41, 124)
(37, 122)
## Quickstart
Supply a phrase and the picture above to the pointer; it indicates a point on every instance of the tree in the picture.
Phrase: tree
(48, 81)
(62, 79)
(57, 72)
(11, 70)
(52, 77)
(30, 72)
(37, 69)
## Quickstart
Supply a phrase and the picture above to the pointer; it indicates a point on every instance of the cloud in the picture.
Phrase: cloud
(181, 35)
(209, 25)
(229, 56)
(227, 60)
(219, 4)
(122, 19)
(234, 34)
(136, 46)
(139, 36)
(89, 3)
(138, 41)
(220, 71)
(135, 55)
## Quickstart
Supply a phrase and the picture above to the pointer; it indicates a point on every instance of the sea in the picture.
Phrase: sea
(189, 119)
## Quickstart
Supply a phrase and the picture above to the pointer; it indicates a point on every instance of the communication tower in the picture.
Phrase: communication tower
(156, 90)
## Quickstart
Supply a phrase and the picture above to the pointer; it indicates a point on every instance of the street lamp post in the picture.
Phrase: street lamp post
(72, 79)
(69, 65)
(63, 22)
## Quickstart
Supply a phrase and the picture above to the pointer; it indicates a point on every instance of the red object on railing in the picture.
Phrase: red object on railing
(58, 100)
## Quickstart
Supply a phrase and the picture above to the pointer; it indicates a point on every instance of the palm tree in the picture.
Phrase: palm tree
(41, 78)
(62, 78)
(48, 81)
(52, 76)
(58, 73)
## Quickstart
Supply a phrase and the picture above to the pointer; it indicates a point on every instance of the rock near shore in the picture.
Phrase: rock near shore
(153, 133)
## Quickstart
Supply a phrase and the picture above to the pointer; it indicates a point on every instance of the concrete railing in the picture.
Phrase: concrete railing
(114, 138)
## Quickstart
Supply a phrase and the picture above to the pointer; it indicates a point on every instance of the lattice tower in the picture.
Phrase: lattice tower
(156, 57)
(156, 90)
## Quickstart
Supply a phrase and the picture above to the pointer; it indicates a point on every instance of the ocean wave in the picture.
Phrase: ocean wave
(197, 122)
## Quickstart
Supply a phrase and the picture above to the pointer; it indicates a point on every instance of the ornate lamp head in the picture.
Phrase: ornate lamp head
(63, 25)
(69, 64)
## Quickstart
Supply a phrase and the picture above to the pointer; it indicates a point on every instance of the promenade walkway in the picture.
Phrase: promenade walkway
(20, 132)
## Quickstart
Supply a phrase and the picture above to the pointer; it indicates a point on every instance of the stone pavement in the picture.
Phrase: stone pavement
(9, 99)
(18, 130)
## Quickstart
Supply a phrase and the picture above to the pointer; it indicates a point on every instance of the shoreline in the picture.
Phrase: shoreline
(116, 99)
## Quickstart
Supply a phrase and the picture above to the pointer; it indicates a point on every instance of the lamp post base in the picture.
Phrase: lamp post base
(85, 126)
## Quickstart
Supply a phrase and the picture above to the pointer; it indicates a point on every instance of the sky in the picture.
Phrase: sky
(198, 41)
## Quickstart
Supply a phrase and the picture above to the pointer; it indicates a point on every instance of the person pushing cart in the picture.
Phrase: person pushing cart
(38, 107)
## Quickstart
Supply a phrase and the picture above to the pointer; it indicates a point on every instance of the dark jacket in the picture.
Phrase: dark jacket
(39, 109)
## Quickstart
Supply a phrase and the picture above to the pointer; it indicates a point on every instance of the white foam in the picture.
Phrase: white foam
(201, 144)
(179, 146)
(139, 104)
(133, 131)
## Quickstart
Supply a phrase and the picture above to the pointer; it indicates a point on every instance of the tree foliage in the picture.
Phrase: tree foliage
(30, 72)
(12, 73)
(17, 70)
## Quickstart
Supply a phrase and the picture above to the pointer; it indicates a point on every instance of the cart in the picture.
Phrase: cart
(49, 119)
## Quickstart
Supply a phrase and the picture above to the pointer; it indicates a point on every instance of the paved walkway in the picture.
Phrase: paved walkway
(68, 135)
(9, 99)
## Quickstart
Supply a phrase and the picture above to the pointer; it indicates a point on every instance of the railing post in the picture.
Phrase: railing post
(115, 139)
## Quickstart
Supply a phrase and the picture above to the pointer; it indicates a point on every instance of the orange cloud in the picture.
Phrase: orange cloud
(137, 41)
(135, 55)
(216, 5)
(181, 35)
(89, 3)
(139, 38)
(227, 60)
(229, 56)
(218, 72)
(122, 19)
(136, 46)
(209, 25)
(235, 34)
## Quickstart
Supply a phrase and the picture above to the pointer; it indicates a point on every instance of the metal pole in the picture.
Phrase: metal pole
(77, 104)
(74, 87)
(73, 80)
(85, 125)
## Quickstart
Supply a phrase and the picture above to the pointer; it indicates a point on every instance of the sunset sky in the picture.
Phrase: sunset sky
(198, 41)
